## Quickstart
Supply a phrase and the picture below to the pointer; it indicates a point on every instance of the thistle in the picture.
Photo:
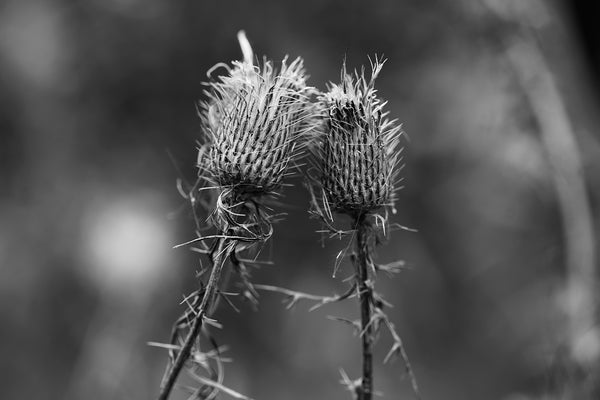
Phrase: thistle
(358, 151)
(357, 156)
(251, 120)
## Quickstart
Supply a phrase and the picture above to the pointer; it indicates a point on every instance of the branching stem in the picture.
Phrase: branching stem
(365, 291)
(218, 260)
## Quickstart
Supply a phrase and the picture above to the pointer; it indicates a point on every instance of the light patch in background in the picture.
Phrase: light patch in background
(524, 155)
(33, 40)
(127, 242)
(139, 9)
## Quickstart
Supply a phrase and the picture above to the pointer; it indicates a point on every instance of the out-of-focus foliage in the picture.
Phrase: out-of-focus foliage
(98, 120)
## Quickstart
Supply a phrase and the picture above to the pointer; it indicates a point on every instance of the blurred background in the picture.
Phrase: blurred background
(499, 101)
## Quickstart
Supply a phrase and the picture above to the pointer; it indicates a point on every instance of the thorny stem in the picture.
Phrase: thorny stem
(365, 291)
(207, 300)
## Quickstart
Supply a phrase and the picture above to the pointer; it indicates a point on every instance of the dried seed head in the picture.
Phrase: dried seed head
(252, 119)
(358, 149)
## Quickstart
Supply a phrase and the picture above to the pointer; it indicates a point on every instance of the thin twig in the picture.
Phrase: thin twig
(295, 296)
(220, 388)
(398, 347)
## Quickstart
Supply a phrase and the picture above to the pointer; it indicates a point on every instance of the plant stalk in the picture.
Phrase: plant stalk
(365, 291)
(207, 301)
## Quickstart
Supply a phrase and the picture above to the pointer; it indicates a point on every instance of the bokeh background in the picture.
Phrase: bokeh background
(499, 100)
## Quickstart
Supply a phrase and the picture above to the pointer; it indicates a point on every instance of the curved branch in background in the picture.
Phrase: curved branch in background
(539, 85)
(561, 146)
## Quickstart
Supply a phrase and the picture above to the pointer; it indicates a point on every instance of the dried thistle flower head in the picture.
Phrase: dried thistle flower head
(252, 119)
(358, 150)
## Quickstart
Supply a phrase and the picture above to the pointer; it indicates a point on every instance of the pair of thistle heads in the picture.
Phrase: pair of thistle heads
(257, 120)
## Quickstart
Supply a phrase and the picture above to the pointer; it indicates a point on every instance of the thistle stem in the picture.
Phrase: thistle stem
(207, 300)
(365, 291)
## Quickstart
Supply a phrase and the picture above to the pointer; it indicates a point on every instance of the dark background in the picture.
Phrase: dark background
(98, 120)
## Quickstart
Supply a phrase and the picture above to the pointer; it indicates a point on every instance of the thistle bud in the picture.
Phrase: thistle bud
(252, 119)
(358, 149)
